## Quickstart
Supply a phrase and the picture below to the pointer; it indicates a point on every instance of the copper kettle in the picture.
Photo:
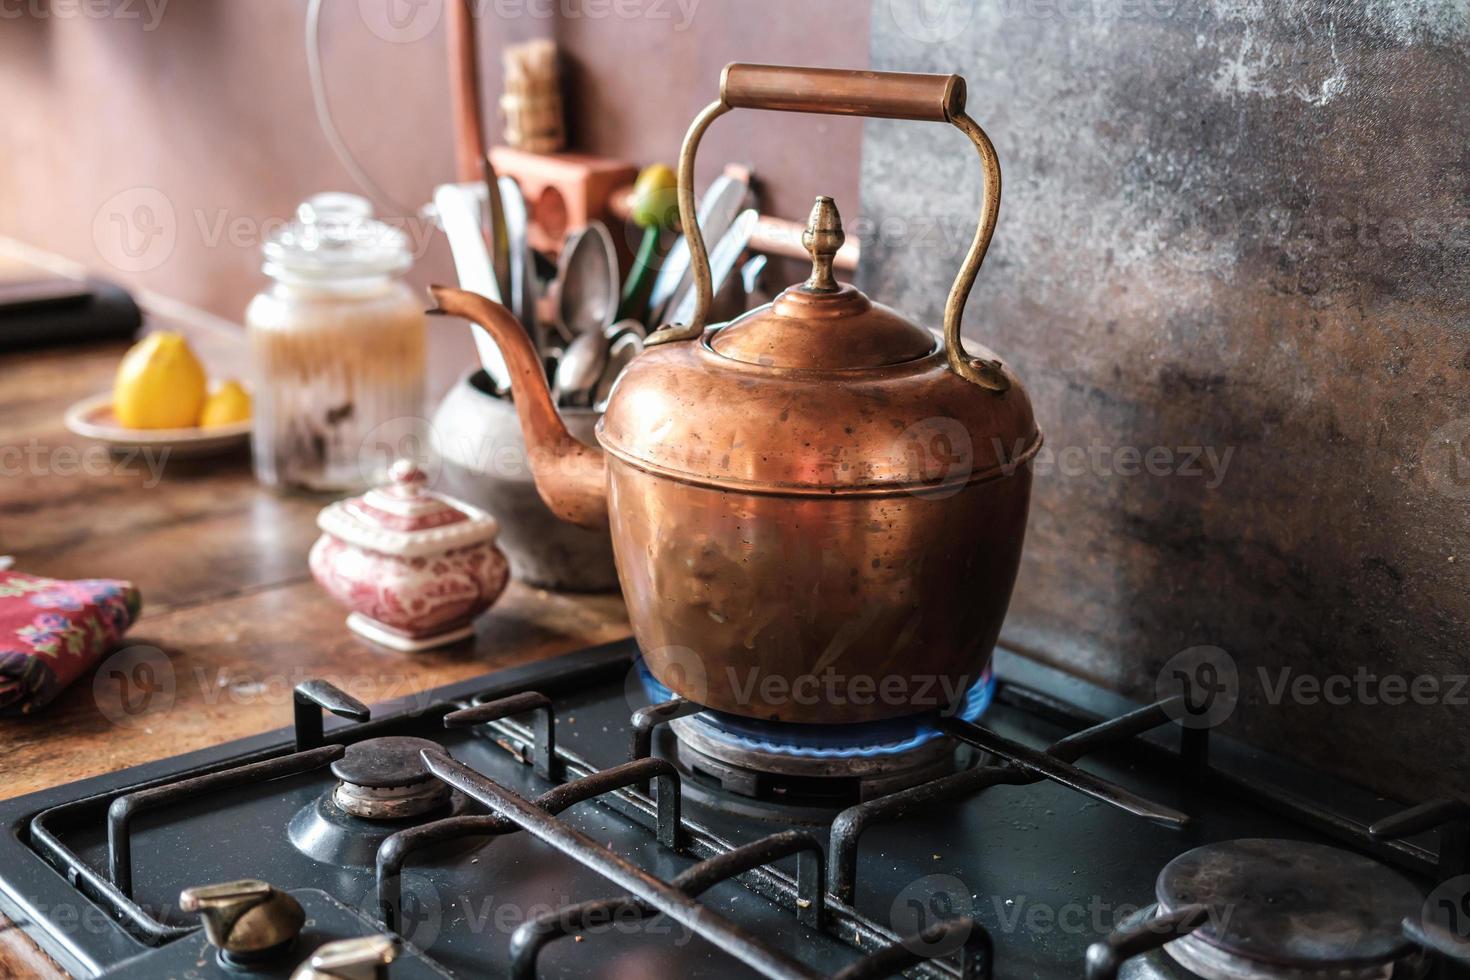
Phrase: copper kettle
(817, 508)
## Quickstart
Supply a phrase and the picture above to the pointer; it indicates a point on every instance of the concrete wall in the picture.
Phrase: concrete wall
(1236, 230)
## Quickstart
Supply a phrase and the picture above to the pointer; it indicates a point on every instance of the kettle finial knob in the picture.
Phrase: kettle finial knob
(822, 238)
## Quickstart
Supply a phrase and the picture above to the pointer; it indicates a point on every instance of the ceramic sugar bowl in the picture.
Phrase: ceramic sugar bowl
(414, 567)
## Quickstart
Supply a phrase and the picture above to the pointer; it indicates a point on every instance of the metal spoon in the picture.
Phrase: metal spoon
(579, 369)
(625, 343)
(587, 281)
(523, 285)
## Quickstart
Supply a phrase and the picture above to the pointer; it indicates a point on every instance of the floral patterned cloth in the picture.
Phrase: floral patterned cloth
(53, 630)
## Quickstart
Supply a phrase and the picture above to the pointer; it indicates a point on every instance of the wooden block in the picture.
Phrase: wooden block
(563, 190)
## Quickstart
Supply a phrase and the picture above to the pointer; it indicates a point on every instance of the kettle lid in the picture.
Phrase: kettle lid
(823, 324)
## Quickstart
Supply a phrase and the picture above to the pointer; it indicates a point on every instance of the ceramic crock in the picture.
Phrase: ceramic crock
(414, 567)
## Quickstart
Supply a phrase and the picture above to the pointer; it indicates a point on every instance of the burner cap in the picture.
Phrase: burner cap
(386, 779)
(383, 762)
(1290, 904)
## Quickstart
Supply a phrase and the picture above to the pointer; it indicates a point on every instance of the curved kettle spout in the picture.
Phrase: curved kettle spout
(570, 475)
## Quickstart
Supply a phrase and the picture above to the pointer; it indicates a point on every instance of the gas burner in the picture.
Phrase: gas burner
(385, 779)
(383, 787)
(1282, 910)
(818, 765)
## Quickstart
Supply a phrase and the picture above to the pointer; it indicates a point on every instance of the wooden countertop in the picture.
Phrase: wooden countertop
(227, 598)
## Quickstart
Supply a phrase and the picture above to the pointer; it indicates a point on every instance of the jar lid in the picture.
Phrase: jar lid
(406, 520)
(335, 236)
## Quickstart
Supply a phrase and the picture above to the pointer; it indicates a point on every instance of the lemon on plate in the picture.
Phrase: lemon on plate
(228, 403)
(160, 384)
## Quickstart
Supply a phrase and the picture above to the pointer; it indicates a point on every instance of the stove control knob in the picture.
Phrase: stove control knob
(364, 958)
(245, 920)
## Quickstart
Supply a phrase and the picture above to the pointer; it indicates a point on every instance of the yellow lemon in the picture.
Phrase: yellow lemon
(228, 403)
(160, 384)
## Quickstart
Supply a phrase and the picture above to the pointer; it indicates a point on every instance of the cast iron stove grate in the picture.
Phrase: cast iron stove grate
(816, 880)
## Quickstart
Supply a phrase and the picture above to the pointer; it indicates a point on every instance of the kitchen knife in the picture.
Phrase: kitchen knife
(721, 262)
(722, 202)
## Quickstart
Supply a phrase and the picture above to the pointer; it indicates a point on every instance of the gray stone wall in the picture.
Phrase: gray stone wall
(1233, 268)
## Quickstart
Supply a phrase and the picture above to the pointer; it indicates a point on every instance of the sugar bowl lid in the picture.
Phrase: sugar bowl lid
(405, 519)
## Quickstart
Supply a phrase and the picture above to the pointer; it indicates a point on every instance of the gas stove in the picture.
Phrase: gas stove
(573, 819)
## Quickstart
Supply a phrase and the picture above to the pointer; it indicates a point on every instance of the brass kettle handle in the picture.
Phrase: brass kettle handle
(845, 92)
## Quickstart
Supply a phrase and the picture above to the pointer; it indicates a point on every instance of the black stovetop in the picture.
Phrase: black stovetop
(1042, 869)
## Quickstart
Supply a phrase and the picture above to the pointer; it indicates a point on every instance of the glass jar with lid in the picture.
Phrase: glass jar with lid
(338, 342)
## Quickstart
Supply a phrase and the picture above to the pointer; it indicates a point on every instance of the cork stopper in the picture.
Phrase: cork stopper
(822, 238)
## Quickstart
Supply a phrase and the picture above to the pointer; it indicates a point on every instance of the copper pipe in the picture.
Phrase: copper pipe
(464, 92)
(843, 92)
(778, 237)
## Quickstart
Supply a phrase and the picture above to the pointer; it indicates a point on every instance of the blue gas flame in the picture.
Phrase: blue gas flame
(862, 740)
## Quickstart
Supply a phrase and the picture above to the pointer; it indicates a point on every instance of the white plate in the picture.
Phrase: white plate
(92, 417)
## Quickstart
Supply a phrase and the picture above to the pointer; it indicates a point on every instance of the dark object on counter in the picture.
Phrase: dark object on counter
(818, 487)
(52, 631)
(565, 817)
(37, 312)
